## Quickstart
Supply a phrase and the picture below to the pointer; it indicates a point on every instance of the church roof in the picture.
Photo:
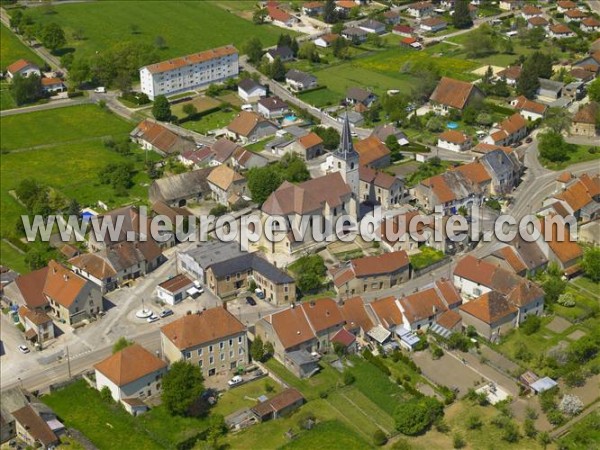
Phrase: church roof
(346, 149)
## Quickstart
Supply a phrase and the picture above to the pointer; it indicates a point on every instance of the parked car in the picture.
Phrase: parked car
(152, 318)
(166, 313)
(259, 293)
(235, 380)
(100, 90)
(23, 349)
(528, 140)
(250, 301)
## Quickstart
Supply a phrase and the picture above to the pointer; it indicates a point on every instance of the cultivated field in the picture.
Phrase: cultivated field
(187, 27)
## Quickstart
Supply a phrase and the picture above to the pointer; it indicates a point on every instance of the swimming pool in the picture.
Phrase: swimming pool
(290, 118)
(452, 125)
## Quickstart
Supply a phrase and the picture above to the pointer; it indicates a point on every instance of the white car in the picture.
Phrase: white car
(100, 90)
(152, 318)
(235, 380)
(23, 349)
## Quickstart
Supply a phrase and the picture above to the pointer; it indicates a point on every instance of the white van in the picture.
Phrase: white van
(247, 107)
(100, 90)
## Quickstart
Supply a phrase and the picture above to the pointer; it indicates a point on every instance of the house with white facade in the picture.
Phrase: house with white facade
(454, 141)
(174, 290)
(251, 91)
(24, 68)
(131, 375)
(189, 72)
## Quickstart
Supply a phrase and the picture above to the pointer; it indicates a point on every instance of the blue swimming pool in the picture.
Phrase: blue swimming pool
(452, 125)
(290, 118)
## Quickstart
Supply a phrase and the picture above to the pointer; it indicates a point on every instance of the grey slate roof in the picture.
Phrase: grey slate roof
(251, 261)
(550, 85)
(247, 84)
(300, 77)
(283, 52)
(500, 163)
(213, 252)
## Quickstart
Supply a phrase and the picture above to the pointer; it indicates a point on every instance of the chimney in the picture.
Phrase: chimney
(312, 303)
(66, 277)
(188, 313)
(225, 306)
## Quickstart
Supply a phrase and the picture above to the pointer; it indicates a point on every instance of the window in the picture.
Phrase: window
(211, 360)
(199, 352)
(231, 342)
(221, 345)
(239, 339)
(222, 356)
(240, 350)
(187, 355)
(210, 348)
(200, 363)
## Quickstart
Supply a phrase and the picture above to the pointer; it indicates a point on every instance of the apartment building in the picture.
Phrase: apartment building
(189, 72)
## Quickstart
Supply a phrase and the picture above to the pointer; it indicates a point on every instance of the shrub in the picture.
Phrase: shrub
(323, 394)
(416, 415)
(218, 210)
(570, 405)
(555, 417)
(436, 352)
(529, 428)
(474, 422)
(458, 441)
(567, 300)
(441, 425)
(531, 325)
(349, 377)
(575, 378)
(379, 438)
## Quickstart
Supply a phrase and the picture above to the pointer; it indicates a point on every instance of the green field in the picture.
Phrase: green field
(60, 126)
(109, 426)
(322, 97)
(581, 154)
(12, 258)
(329, 435)
(12, 49)
(6, 99)
(217, 119)
(63, 149)
(187, 27)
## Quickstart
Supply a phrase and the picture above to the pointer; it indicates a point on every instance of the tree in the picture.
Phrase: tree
(375, 40)
(474, 422)
(330, 136)
(416, 415)
(529, 428)
(118, 175)
(293, 168)
(552, 146)
(79, 71)
(340, 48)
(26, 89)
(254, 50)
(74, 208)
(123, 82)
(531, 324)
(53, 36)
(594, 90)
(330, 14)
(570, 405)
(121, 343)
(558, 119)
(161, 110)
(537, 65)
(269, 349)
(16, 19)
(308, 50)
(481, 43)
(216, 429)
(544, 439)
(160, 42)
(309, 271)
(392, 143)
(591, 263)
(182, 385)
(262, 181)
(458, 441)
(260, 16)
(462, 16)
(277, 69)
(257, 350)
(190, 110)
(337, 28)
(435, 124)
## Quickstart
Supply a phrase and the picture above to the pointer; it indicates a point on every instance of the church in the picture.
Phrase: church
(319, 201)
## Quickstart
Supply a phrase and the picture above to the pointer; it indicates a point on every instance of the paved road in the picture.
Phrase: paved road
(52, 104)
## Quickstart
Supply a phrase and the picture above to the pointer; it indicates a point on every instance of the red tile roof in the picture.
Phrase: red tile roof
(62, 285)
(310, 140)
(195, 58)
(354, 313)
(453, 93)
(130, 364)
(31, 286)
(453, 136)
(291, 326)
(387, 311)
(370, 150)
(380, 264)
(489, 308)
(176, 283)
(19, 65)
(322, 314)
(449, 319)
(343, 337)
(207, 326)
(421, 305)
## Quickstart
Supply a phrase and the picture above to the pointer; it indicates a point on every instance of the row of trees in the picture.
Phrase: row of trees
(51, 35)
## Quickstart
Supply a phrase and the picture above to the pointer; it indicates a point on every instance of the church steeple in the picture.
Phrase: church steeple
(346, 148)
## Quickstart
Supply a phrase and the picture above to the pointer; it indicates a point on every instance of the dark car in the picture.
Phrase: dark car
(250, 301)
(528, 140)
(166, 313)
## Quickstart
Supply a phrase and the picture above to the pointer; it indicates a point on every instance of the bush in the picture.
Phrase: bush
(555, 417)
(379, 438)
(106, 395)
(323, 394)
(349, 377)
(218, 210)
(416, 415)
(458, 441)
(531, 325)
(474, 422)
(436, 352)
(376, 361)
(570, 405)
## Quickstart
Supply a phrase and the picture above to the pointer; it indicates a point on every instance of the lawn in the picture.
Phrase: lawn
(426, 257)
(321, 97)
(60, 126)
(212, 121)
(245, 396)
(70, 152)
(326, 435)
(581, 154)
(584, 435)
(326, 380)
(79, 406)
(375, 385)
(12, 258)
(6, 99)
(187, 27)
(200, 103)
(12, 49)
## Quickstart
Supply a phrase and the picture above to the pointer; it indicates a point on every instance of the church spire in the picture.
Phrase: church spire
(346, 148)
